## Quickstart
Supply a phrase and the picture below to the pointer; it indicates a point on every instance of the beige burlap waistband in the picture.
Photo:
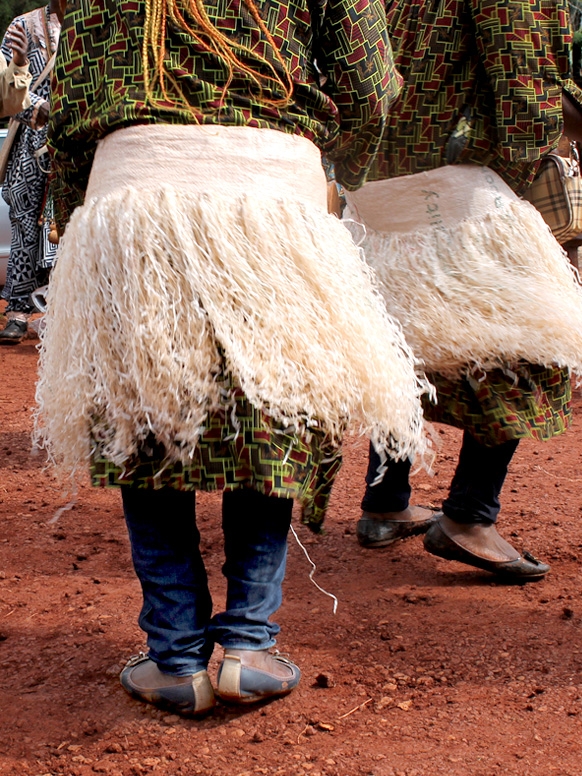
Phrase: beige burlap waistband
(441, 197)
(471, 271)
(228, 160)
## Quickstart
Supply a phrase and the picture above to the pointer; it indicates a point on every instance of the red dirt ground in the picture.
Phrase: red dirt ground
(427, 668)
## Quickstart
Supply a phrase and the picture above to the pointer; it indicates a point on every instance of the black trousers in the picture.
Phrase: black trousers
(475, 488)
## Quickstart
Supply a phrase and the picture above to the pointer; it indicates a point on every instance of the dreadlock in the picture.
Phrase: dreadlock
(210, 39)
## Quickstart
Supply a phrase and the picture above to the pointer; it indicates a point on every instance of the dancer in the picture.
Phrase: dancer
(209, 326)
(485, 294)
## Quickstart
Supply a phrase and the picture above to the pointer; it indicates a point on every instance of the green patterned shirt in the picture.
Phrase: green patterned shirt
(342, 44)
(483, 83)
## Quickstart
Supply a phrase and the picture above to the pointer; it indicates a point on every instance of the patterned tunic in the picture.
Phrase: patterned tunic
(100, 85)
(99, 88)
(239, 449)
(24, 189)
(483, 82)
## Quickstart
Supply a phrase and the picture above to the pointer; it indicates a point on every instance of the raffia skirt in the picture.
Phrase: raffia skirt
(486, 297)
(203, 296)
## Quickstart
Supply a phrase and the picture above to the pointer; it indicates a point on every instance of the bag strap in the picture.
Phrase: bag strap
(47, 34)
(40, 12)
(47, 68)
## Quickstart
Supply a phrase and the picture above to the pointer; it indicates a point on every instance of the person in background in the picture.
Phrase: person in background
(209, 325)
(25, 187)
(484, 292)
(15, 77)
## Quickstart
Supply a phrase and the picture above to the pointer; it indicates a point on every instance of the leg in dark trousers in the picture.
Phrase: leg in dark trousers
(392, 494)
(386, 515)
(466, 530)
(476, 487)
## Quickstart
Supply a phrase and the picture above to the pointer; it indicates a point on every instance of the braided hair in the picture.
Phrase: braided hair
(191, 17)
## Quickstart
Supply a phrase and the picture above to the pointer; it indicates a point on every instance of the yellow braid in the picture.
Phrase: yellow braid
(203, 31)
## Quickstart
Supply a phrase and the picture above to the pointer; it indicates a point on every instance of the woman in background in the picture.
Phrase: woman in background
(25, 186)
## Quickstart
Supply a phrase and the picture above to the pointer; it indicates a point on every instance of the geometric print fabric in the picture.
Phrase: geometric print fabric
(482, 83)
(99, 84)
(25, 185)
(240, 447)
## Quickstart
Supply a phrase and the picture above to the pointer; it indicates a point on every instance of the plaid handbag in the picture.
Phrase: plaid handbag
(557, 193)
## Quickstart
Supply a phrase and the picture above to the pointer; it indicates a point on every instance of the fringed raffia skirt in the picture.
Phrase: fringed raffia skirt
(486, 297)
(209, 325)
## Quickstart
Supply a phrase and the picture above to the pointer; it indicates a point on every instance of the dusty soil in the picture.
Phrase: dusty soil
(427, 668)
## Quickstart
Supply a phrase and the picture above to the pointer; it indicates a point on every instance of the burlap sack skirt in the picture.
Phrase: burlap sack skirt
(470, 270)
(202, 251)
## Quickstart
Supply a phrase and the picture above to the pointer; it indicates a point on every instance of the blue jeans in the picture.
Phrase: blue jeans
(475, 488)
(177, 608)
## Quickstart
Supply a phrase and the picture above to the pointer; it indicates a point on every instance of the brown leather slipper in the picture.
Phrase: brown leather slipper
(523, 568)
(380, 529)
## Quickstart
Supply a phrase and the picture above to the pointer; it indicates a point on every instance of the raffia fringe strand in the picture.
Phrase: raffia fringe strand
(488, 291)
(150, 284)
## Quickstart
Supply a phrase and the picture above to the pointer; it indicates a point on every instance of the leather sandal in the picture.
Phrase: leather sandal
(380, 529)
(190, 696)
(479, 545)
(249, 676)
(14, 332)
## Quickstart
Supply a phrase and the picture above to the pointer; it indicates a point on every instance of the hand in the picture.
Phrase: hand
(43, 114)
(18, 42)
(572, 118)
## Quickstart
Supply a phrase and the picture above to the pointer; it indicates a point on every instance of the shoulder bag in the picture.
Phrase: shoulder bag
(557, 193)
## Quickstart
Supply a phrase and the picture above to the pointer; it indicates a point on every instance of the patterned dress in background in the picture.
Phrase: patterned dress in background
(483, 83)
(25, 185)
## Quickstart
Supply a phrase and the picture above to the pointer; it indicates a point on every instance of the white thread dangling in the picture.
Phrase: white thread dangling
(312, 572)
(69, 505)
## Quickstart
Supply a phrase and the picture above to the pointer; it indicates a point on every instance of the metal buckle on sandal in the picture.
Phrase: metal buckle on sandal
(532, 559)
(284, 657)
(135, 660)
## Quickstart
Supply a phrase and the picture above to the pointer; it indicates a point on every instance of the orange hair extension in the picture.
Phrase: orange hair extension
(211, 40)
